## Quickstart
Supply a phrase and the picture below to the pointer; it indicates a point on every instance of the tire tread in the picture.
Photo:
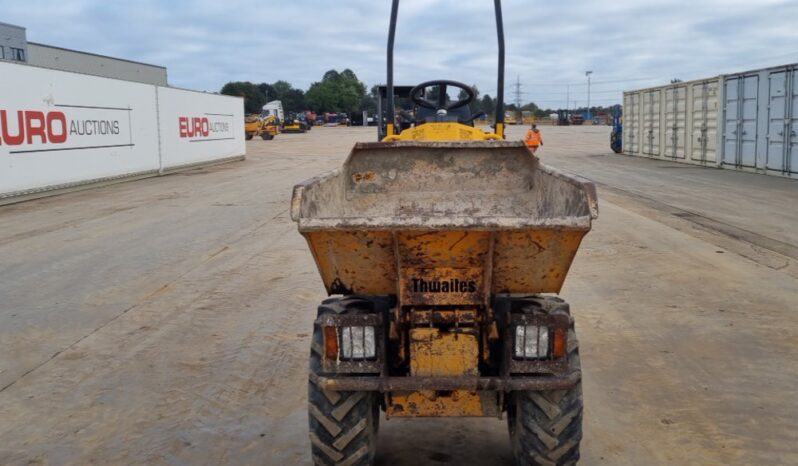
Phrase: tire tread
(343, 425)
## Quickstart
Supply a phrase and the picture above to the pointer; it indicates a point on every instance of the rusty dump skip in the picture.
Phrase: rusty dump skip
(468, 219)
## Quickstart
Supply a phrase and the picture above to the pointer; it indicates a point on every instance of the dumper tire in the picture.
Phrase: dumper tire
(248, 136)
(343, 425)
(267, 136)
(546, 426)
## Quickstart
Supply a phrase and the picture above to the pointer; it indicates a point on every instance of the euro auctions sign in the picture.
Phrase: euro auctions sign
(207, 127)
(59, 128)
(64, 128)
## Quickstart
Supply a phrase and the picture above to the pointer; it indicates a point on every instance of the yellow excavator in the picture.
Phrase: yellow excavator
(442, 248)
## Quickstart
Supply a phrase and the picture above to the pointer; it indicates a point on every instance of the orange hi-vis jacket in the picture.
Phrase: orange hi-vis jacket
(533, 138)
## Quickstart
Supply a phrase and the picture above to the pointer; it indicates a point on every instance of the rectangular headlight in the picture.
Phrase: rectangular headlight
(531, 342)
(357, 343)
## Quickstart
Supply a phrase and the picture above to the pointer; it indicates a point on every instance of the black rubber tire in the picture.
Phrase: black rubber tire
(615, 143)
(266, 136)
(248, 136)
(343, 425)
(546, 427)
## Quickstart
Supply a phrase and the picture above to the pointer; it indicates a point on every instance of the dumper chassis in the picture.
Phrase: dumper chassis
(442, 246)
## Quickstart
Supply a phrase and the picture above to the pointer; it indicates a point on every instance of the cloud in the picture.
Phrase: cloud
(626, 43)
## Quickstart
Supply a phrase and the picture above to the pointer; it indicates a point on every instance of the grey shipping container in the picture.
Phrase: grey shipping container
(744, 121)
(761, 120)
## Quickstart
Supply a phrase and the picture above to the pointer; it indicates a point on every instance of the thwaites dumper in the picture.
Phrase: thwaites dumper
(438, 244)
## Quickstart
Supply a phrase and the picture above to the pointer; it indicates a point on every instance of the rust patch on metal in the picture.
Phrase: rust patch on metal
(363, 176)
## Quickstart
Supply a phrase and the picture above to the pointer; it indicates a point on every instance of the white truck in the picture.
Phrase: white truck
(275, 107)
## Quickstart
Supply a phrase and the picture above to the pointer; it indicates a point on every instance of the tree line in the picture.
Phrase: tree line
(344, 92)
(336, 92)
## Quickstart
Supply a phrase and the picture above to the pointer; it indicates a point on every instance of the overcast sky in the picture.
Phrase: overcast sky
(626, 43)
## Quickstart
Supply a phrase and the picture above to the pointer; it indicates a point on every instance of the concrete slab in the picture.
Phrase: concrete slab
(167, 321)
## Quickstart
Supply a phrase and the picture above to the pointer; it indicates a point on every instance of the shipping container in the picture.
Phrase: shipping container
(745, 121)
(674, 122)
(704, 102)
(675, 111)
(760, 121)
(631, 122)
(782, 140)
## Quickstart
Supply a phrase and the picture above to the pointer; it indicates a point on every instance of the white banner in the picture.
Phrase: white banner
(59, 128)
(199, 127)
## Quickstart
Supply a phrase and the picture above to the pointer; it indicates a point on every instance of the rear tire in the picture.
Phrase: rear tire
(343, 425)
(248, 136)
(267, 136)
(546, 427)
(615, 143)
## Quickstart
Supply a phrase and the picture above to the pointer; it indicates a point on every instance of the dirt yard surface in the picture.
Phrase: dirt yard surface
(167, 321)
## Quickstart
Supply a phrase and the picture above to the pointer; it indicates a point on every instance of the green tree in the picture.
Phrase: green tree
(370, 100)
(268, 91)
(336, 92)
(475, 104)
(293, 99)
(487, 105)
(253, 96)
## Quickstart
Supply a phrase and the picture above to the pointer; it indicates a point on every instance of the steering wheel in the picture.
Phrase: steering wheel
(441, 104)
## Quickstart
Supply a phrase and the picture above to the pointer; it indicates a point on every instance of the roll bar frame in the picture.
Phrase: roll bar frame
(391, 123)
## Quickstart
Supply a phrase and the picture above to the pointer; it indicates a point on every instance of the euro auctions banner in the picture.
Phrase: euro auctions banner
(199, 127)
(59, 128)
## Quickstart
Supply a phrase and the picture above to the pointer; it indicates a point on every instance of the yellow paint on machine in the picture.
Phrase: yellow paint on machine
(438, 353)
(347, 259)
(441, 132)
(431, 403)
(372, 261)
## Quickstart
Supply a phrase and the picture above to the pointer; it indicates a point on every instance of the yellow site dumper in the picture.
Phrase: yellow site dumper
(265, 127)
(438, 245)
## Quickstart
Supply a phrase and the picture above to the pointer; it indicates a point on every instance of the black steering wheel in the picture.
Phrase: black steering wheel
(441, 104)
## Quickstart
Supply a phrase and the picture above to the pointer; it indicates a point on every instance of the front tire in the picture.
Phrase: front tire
(546, 426)
(343, 425)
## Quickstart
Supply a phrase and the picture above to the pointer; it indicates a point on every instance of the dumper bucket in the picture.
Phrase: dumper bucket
(473, 218)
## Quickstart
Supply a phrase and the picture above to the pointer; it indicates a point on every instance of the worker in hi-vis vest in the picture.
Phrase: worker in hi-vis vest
(533, 139)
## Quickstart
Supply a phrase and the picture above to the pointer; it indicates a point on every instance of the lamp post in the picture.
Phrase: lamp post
(588, 73)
